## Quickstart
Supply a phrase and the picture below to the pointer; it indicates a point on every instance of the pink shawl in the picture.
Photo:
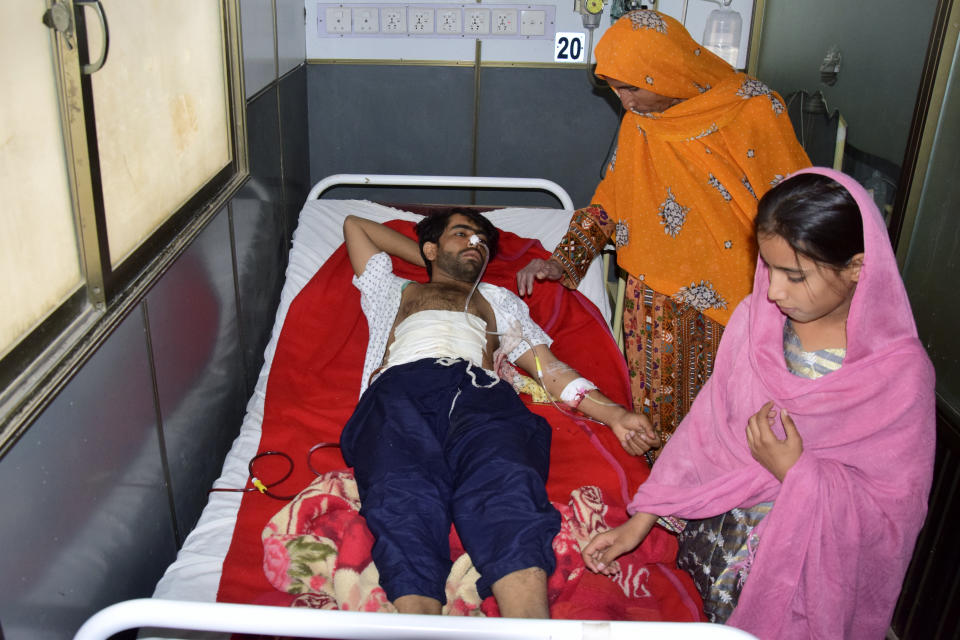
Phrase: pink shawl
(833, 551)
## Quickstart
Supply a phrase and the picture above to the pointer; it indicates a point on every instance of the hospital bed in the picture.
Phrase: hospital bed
(216, 585)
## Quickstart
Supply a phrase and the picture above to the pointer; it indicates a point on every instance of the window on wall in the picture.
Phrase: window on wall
(121, 133)
(161, 113)
(39, 255)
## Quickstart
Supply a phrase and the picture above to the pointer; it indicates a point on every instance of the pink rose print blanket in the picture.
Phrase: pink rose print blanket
(317, 549)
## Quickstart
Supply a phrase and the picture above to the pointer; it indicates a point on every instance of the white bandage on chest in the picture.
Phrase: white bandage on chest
(575, 391)
(438, 334)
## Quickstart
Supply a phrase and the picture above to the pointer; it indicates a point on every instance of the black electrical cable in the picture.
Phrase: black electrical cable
(264, 487)
(319, 445)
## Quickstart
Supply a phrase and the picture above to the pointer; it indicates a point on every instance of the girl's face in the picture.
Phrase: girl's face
(805, 290)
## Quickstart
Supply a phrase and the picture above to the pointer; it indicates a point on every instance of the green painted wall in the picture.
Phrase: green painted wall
(883, 43)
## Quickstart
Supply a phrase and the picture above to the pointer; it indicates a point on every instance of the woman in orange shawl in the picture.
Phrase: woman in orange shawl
(698, 145)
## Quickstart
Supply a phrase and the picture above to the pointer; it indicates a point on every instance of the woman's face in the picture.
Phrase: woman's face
(640, 100)
(804, 290)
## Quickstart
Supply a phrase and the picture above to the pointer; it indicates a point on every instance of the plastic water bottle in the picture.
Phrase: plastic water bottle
(722, 34)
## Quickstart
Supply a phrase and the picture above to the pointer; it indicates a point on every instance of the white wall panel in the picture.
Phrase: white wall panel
(291, 43)
(259, 67)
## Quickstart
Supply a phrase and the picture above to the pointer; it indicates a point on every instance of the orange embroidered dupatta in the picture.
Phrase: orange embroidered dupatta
(683, 185)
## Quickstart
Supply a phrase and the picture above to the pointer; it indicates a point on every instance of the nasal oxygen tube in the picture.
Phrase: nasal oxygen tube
(476, 241)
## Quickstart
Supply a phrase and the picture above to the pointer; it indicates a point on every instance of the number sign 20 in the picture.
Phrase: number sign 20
(568, 47)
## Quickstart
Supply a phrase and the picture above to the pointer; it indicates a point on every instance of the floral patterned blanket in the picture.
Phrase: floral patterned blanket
(317, 548)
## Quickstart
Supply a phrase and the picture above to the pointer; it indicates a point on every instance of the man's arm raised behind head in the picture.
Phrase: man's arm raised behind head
(364, 238)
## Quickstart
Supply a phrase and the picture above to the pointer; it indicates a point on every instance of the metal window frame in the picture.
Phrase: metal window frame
(45, 360)
(935, 77)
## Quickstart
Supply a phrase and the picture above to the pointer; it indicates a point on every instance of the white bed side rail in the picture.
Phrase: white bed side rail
(469, 182)
(305, 623)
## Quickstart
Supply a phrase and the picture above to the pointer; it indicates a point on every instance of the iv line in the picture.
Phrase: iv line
(474, 242)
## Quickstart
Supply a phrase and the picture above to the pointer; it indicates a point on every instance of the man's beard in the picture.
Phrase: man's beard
(458, 268)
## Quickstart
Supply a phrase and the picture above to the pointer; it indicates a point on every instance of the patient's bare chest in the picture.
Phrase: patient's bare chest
(433, 296)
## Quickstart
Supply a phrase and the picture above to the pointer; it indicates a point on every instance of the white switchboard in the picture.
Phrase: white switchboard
(438, 30)
(471, 21)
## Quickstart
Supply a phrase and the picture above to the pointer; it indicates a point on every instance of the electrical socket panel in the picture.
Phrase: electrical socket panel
(441, 20)
(393, 19)
(532, 22)
(476, 21)
(366, 19)
(448, 20)
(420, 20)
(504, 21)
(338, 19)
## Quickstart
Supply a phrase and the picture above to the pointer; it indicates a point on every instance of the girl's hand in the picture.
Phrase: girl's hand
(777, 456)
(635, 433)
(605, 548)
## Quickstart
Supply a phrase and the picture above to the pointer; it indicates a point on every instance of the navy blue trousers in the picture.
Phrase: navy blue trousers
(429, 447)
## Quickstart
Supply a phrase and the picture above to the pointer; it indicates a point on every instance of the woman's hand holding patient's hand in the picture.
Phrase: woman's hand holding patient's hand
(537, 269)
(777, 456)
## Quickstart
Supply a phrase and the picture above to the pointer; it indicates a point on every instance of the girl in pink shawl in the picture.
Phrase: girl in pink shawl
(815, 432)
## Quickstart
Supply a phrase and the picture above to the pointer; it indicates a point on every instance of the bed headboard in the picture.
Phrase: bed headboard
(470, 182)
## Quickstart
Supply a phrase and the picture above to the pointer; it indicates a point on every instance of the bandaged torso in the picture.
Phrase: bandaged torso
(436, 333)
(381, 292)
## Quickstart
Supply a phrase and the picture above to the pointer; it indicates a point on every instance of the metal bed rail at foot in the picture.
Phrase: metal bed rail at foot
(306, 623)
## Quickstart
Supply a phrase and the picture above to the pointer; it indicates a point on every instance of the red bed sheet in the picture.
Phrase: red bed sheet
(313, 388)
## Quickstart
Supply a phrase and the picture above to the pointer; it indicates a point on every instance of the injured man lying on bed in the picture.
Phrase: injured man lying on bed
(437, 437)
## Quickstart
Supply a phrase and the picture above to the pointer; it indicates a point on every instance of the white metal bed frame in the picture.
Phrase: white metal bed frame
(240, 618)
(350, 625)
(470, 182)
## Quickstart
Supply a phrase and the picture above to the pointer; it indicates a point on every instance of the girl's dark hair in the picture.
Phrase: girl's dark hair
(432, 227)
(816, 215)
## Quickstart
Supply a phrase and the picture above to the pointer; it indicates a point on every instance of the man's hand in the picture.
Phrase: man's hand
(537, 269)
(634, 431)
(777, 456)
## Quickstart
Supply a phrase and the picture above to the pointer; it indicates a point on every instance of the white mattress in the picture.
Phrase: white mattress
(195, 575)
